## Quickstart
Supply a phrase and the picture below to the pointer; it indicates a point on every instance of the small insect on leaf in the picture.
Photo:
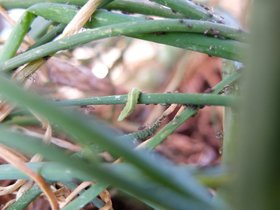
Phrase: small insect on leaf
(132, 100)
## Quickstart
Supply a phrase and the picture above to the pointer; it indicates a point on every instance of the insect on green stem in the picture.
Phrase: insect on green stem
(132, 100)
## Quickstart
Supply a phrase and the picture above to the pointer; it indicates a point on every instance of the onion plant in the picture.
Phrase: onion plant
(139, 171)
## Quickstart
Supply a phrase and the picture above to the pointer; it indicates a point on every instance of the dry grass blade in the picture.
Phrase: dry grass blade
(46, 125)
(105, 196)
(20, 165)
(172, 86)
(5, 15)
(11, 188)
(59, 142)
(27, 185)
(75, 192)
(81, 18)
(10, 202)
(23, 189)
(22, 74)
(5, 110)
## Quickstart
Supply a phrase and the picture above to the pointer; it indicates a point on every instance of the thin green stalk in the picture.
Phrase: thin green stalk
(148, 8)
(143, 187)
(186, 114)
(211, 46)
(49, 36)
(40, 26)
(123, 5)
(144, 134)
(13, 4)
(30, 195)
(87, 131)
(86, 196)
(190, 9)
(230, 116)
(22, 120)
(52, 172)
(182, 24)
(215, 182)
(257, 170)
(126, 6)
(155, 98)
(228, 49)
(64, 13)
(27, 197)
(168, 129)
(55, 172)
(16, 37)
(142, 7)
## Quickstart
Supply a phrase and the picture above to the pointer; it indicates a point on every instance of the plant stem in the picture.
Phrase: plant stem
(228, 49)
(168, 129)
(55, 172)
(230, 116)
(12, 4)
(126, 6)
(186, 114)
(16, 37)
(212, 46)
(27, 197)
(257, 186)
(155, 98)
(87, 131)
(22, 120)
(49, 36)
(86, 196)
(189, 9)
(64, 14)
(146, 8)
(136, 185)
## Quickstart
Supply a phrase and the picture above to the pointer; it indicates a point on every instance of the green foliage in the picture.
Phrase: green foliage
(257, 185)
(144, 175)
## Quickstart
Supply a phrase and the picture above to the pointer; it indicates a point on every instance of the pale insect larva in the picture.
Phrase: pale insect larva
(132, 100)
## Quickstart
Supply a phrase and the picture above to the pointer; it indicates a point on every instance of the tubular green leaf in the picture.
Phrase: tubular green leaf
(155, 98)
(189, 9)
(86, 132)
(186, 114)
(142, 7)
(148, 8)
(142, 188)
(27, 197)
(85, 197)
(224, 48)
(16, 36)
(64, 13)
